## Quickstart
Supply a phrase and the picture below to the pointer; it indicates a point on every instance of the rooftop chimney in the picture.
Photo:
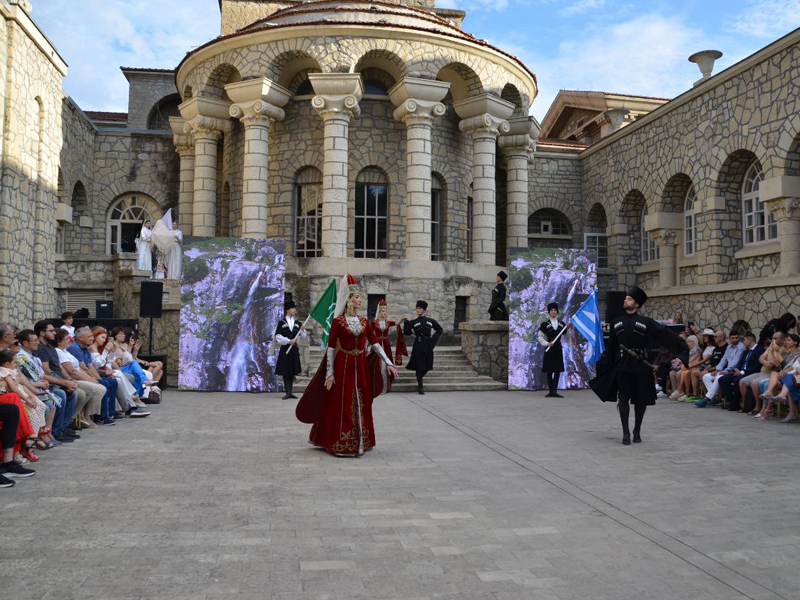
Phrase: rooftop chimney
(705, 61)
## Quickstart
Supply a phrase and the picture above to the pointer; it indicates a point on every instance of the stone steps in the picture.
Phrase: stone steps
(452, 372)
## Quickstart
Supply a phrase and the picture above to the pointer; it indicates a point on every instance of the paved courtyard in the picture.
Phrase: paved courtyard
(499, 496)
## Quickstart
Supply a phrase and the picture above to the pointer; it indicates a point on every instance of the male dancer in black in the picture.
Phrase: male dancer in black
(631, 336)
(286, 333)
(426, 333)
(497, 310)
(553, 362)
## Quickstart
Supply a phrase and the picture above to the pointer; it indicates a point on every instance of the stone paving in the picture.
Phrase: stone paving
(498, 496)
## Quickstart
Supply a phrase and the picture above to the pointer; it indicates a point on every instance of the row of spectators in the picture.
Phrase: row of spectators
(740, 372)
(57, 381)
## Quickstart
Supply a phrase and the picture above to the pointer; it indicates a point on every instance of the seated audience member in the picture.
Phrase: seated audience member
(662, 364)
(104, 362)
(790, 391)
(80, 350)
(60, 404)
(7, 396)
(785, 323)
(12, 381)
(10, 418)
(7, 336)
(691, 392)
(778, 380)
(771, 361)
(93, 391)
(123, 350)
(54, 374)
(729, 360)
(67, 318)
(713, 354)
(155, 367)
(747, 366)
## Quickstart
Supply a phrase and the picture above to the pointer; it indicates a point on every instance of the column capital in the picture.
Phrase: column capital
(184, 144)
(257, 112)
(664, 237)
(483, 125)
(413, 111)
(206, 127)
(205, 115)
(784, 209)
(336, 106)
(337, 94)
(517, 145)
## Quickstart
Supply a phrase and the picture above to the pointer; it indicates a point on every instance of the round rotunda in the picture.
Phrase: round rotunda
(367, 130)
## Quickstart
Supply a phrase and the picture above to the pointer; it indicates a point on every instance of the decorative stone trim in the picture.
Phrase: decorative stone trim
(650, 267)
(257, 112)
(752, 250)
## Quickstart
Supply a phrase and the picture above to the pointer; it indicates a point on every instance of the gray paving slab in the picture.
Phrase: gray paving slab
(499, 496)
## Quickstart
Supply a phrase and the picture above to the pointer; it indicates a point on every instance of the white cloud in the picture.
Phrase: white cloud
(769, 18)
(581, 6)
(646, 55)
(96, 37)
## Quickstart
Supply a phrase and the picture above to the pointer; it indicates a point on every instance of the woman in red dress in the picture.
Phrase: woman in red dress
(343, 419)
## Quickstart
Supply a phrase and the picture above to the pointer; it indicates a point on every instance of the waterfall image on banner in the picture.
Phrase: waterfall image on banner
(536, 278)
(232, 296)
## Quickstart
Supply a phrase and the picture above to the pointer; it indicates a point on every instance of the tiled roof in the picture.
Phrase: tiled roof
(617, 94)
(146, 70)
(567, 143)
(106, 116)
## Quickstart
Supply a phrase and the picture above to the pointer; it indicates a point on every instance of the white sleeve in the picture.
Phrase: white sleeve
(543, 338)
(331, 352)
(283, 341)
(379, 349)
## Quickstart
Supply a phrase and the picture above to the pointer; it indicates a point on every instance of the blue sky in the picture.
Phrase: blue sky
(630, 47)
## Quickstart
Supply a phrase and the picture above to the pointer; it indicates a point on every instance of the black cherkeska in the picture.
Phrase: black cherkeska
(288, 364)
(426, 333)
(553, 361)
(629, 377)
(497, 309)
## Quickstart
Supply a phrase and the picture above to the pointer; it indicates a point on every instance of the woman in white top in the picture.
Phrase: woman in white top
(103, 359)
(145, 261)
(175, 254)
(90, 404)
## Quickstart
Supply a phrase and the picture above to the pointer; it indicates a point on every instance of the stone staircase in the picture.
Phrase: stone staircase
(452, 372)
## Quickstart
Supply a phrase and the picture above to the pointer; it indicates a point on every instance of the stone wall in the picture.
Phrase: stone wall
(31, 100)
(77, 177)
(555, 182)
(485, 344)
(144, 92)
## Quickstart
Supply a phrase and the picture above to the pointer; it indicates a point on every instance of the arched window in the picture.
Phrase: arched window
(372, 211)
(161, 112)
(759, 224)
(437, 202)
(371, 86)
(547, 222)
(308, 213)
(689, 222)
(650, 251)
(125, 220)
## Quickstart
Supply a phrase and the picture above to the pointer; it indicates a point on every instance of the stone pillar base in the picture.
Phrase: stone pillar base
(485, 344)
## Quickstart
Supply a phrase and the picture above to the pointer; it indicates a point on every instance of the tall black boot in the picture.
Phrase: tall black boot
(420, 389)
(291, 386)
(624, 412)
(555, 393)
(550, 391)
(287, 388)
(638, 412)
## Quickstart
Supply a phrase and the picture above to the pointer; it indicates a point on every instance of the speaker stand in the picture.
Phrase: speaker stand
(150, 339)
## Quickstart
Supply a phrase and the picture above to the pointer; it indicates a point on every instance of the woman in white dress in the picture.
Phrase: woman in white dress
(145, 261)
(175, 255)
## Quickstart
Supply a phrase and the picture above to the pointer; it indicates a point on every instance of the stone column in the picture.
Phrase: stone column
(418, 104)
(787, 213)
(184, 145)
(258, 105)
(336, 102)
(667, 240)
(518, 146)
(206, 120)
(483, 117)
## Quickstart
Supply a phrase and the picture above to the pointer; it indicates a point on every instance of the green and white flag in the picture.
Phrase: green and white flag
(323, 311)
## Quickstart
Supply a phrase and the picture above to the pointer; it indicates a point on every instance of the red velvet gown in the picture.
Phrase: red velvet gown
(24, 429)
(345, 426)
(382, 335)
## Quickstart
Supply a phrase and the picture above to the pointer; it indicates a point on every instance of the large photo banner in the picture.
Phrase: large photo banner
(538, 277)
(232, 295)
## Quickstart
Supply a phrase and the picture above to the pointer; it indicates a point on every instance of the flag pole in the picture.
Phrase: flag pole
(289, 346)
(594, 291)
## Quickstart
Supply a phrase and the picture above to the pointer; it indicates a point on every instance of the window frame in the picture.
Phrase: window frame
(602, 261)
(366, 180)
(690, 222)
(138, 203)
(437, 194)
(303, 219)
(649, 250)
(758, 217)
(546, 225)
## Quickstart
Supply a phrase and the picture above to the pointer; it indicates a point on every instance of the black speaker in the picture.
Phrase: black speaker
(151, 298)
(614, 307)
(104, 309)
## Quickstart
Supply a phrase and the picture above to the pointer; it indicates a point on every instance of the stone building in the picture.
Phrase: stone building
(381, 138)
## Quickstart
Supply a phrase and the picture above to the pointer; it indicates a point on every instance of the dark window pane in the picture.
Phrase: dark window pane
(370, 243)
(360, 191)
(359, 234)
(129, 233)
(383, 200)
(371, 201)
(382, 245)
